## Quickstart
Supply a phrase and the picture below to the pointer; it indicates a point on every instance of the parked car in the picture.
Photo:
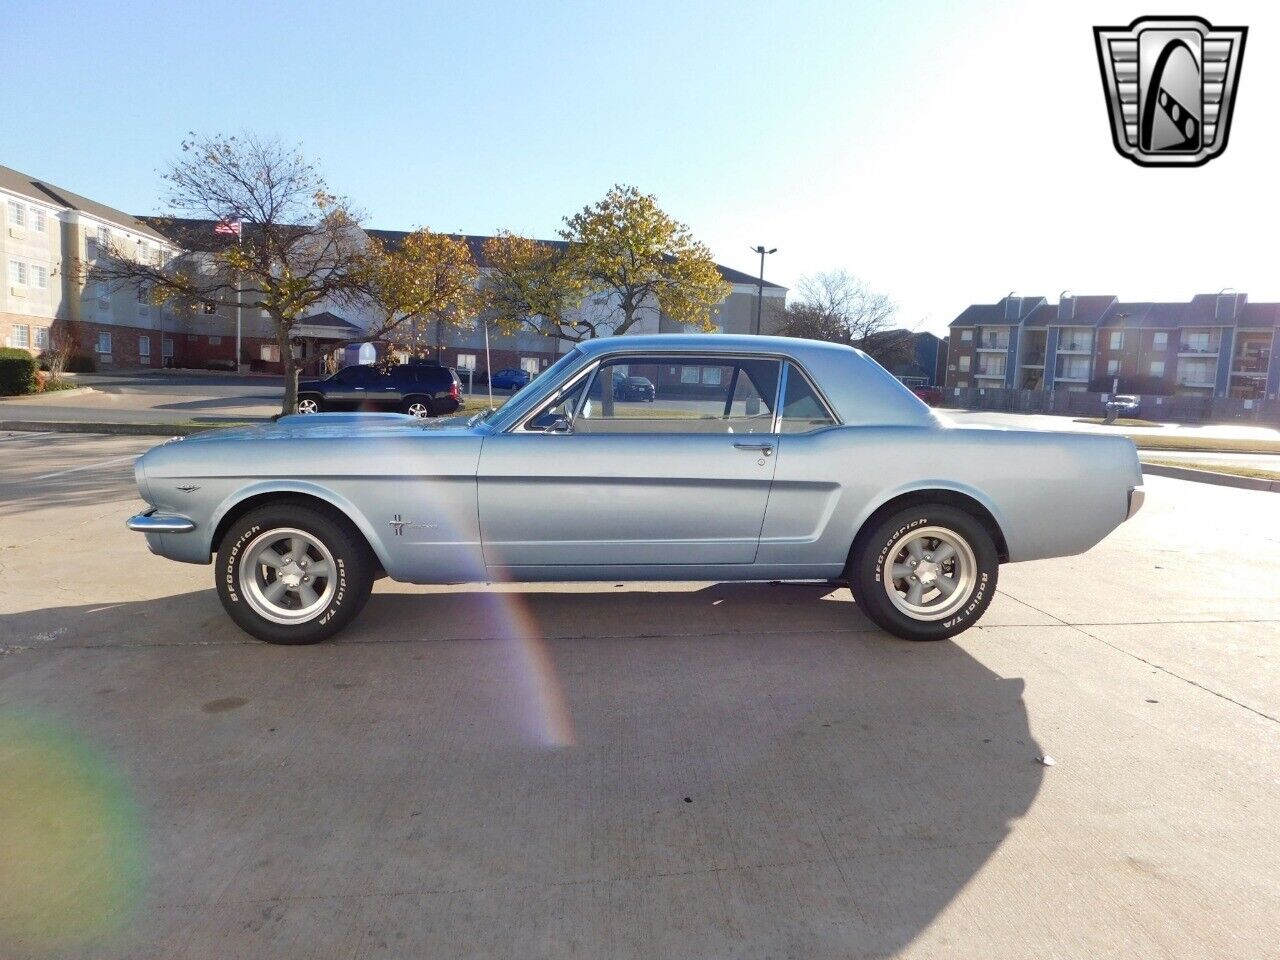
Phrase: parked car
(510, 379)
(635, 388)
(418, 389)
(930, 395)
(1121, 405)
(795, 460)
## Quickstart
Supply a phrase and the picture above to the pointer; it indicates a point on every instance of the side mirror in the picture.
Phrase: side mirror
(551, 423)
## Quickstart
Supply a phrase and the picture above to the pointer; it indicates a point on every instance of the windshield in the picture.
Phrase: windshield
(522, 402)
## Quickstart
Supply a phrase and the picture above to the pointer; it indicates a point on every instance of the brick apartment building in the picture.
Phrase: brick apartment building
(45, 230)
(1214, 346)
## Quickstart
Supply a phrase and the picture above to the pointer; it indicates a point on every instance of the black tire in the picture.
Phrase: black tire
(352, 578)
(319, 401)
(874, 546)
(409, 402)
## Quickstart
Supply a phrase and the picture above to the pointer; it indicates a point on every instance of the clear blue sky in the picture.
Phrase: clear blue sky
(912, 143)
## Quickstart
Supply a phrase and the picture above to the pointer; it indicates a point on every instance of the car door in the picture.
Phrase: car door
(350, 387)
(680, 481)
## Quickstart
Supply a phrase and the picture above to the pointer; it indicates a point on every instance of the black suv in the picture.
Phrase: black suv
(420, 389)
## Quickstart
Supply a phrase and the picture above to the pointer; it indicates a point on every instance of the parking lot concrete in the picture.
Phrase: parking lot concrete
(636, 770)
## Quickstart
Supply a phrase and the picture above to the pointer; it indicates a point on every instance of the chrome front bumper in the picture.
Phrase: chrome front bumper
(150, 522)
(1136, 498)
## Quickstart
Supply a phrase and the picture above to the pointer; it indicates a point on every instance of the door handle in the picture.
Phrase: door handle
(765, 448)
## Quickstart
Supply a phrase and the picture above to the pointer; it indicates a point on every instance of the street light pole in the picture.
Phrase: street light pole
(760, 286)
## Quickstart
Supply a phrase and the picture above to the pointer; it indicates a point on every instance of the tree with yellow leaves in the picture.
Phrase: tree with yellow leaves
(629, 254)
(532, 285)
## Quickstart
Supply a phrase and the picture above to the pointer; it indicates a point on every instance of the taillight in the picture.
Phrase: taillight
(453, 389)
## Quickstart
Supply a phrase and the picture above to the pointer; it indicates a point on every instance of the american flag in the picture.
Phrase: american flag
(228, 226)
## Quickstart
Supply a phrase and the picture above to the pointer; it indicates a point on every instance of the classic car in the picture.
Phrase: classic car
(760, 458)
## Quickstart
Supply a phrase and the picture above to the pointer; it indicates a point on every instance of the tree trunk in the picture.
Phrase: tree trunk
(290, 402)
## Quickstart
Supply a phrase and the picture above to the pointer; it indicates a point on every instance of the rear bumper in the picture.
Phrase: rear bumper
(1136, 498)
(151, 522)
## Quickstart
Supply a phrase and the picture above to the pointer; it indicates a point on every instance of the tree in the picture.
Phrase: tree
(838, 307)
(426, 276)
(534, 285)
(301, 244)
(630, 254)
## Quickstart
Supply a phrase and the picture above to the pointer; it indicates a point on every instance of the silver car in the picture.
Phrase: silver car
(757, 458)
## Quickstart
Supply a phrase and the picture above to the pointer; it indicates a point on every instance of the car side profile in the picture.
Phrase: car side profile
(512, 378)
(418, 389)
(758, 458)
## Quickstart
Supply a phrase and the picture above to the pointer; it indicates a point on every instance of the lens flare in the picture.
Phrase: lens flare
(71, 861)
(547, 715)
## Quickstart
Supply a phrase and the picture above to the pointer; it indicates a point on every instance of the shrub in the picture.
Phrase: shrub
(17, 374)
(82, 363)
(13, 352)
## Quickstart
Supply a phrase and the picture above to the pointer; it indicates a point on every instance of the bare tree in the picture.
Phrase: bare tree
(838, 307)
(300, 245)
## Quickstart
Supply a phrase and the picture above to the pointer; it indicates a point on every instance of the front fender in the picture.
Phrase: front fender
(302, 488)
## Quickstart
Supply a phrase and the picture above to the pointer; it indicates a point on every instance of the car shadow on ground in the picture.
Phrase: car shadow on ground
(655, 771)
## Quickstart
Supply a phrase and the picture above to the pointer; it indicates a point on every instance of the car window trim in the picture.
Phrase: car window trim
(556, 396)
(817, 393)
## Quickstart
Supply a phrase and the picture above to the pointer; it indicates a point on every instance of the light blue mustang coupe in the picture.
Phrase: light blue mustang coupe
(757, 458)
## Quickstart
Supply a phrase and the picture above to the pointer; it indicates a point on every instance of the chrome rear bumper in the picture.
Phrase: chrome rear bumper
(150, 522)
(1136, 498)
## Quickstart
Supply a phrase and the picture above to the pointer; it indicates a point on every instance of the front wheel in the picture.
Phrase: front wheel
(419, 407)
(925, 573)
(288, 573)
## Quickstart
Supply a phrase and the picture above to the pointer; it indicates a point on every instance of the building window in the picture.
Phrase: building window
(21, 336)
(104, 237)
(42, 338)
(964, 364)
(215, 341)
(166, 348)
(466, 361)
(1159, 340)
(269, 353)
(104, 343)
(38, 219)
(1113, 367)
(1157, 368)
(39, 276)
(17, 214)
(17, 273)
(966, 336)
(144, 350)
(1117, 339)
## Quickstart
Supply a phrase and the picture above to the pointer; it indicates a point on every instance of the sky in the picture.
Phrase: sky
(946, 153)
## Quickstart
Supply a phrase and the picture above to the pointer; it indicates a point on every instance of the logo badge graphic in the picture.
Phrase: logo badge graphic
(1170, 84)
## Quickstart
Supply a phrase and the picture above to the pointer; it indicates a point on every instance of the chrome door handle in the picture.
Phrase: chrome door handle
(765, 448)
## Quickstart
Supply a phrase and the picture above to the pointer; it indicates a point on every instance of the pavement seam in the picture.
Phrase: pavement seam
(1156, 666)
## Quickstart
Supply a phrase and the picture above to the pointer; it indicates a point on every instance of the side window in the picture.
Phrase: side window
(563, 407)
(802, 411)
(680, 395)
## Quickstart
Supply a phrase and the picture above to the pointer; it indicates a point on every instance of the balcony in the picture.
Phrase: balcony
(1187, 350)
(1256, 365)
(1075, 346)
(1035, 359)
(989, 346)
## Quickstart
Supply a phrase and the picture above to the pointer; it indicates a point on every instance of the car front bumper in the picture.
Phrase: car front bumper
(152, 522)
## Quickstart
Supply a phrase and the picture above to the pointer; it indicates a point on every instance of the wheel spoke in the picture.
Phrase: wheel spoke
(916, 549)
(915, 593)
(946, 586)
(944, 552)
(297, 549)
(271, 559)
(901, 571)
(307, 593)
(319, 569)
(274, 591)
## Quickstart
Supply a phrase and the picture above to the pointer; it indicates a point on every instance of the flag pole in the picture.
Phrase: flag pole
(488, 363)
(239, 298)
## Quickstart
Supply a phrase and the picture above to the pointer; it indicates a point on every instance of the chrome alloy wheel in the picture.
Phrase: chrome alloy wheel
(308, 406)
(287, 575)
(418, 409)
(931, 573)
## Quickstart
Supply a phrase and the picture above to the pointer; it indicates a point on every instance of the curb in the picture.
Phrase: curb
(1211, 477)
(119, 429)
(73, 392)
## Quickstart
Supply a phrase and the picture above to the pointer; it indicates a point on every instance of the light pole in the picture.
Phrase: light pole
(760, 286)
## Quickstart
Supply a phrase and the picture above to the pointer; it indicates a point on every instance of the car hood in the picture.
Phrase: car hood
(337, 425)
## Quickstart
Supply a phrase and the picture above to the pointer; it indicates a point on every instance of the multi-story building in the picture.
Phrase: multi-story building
(46, 231)
(1215, 345)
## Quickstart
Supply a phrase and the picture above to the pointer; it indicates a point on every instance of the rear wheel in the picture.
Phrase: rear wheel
(308, 403)
(419, 407)
(289, 573)
(925, 573)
